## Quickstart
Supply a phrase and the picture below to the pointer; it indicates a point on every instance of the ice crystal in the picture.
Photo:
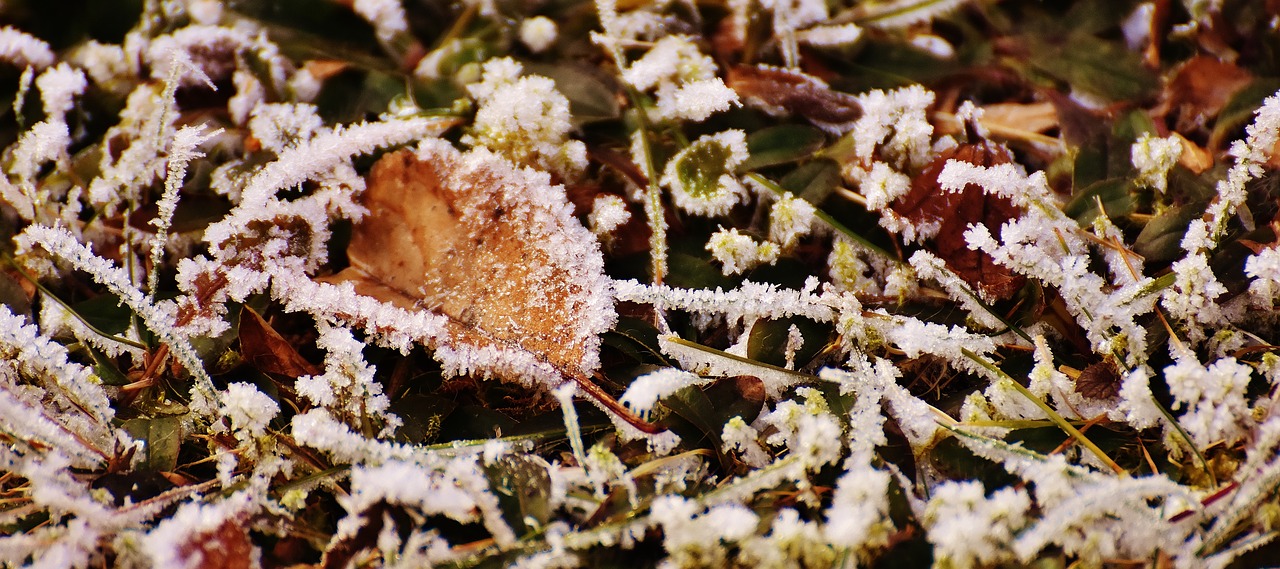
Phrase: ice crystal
(701, 177)
(1154, 158)
(738, 253)
(895, 123)
(23, 49)
(525, 119)
(648, 389)
(538, 33)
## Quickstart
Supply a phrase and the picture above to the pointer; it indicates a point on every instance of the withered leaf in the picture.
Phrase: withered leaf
(1099, 380)
(1200, 88)
(927, 203)
(267, 351)
(781, 92)
(494, 249)
(224, 547)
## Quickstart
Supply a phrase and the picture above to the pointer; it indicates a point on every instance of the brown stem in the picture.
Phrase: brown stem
(594, 391)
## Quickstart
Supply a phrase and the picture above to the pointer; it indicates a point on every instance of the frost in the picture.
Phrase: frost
(1264, 269)
(387, 17)
(248, 409)
(790, 219)
(538, 33)
(895, 122)
(739, 253)
(1213, 396)
(525, 119)
(608, 213)
(23, 49)
(648, 389)
(684, 79)
(970, 529)
(1154, 158)
(701, 177)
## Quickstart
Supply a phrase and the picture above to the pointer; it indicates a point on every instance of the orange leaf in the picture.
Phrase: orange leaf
(267, 351)
(494, 249)
(1200, 88)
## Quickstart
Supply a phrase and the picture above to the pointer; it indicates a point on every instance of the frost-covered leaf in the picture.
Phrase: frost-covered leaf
(701, 177)
(494, 249)
(953, 213)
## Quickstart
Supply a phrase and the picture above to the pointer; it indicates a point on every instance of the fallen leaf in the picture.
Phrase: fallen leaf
(1099, 381)
(1028, 117)
(781, 92)
(1200, 89)
(225, 547)
(927, 203)
(493, 248)
(1194, 157)
(267, 351)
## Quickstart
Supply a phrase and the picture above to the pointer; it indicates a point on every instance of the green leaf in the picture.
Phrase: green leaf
(163, 437)
(782, 144)
(1115, 194)
(1094, 66)
(638, 339)
(523, 488)
(1240, 109)
(700, 166)
(105, 312)
(813, 181)
(105, 368)
(1161, 240)
(768, 340)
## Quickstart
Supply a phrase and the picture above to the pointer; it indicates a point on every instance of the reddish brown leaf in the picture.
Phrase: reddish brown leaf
(267, 351)
(1099, 381)
(1200, 88)
(781, 92)
(225, 547)
(927, 203)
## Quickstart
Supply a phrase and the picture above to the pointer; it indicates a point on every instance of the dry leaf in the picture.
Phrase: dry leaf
(1029, 117)
(225, 547)
(494, 249)
(1194, 157)
(927, 203)
(267, 351)
(1099, 380)
(1200, 88)
(782, 92)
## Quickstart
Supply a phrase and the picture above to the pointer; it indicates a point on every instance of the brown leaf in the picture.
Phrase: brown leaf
(927, 203)
(1028, 117)
(267, 351)
(225, 547)
(1200, 88)
(494, 249)
(1099, 381)
(780, 92)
